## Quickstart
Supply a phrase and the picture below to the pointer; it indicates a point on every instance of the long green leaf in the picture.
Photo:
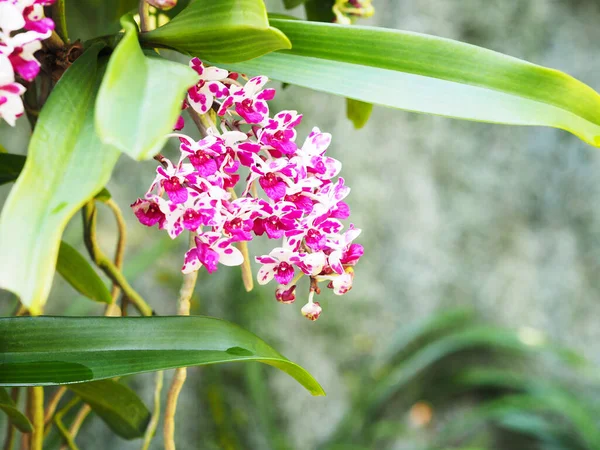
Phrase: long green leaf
(66, 165)
(429, 74)
(10, 167)
(117, 405)
(76, 271)
(17, 418)
(140, 97)
(222, 31)
(59, 350)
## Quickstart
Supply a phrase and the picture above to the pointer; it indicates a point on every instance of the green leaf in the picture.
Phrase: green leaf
(91, 18)
(66, 165)
(76, 271)
(117, 405)
(140, 98)
(103, 196)
(429, 74)
(319, 10)
(475, 337)
(289, 4)
(10, 167)
(413, 337)
(17, 418)
(59, 350)
(222, 31)
(358, 112)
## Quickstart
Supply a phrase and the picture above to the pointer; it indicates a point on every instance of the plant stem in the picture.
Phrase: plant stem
(60, 19)
(105, 264)
(66, 435)
(9, 440)
(111, 310)
(26, 437)
(153, 424)
(54, 42)
(144, 11)
(82, 414)
(247, 278)
(37, 403)
(53, 404)
(198, 121)
(183, 309)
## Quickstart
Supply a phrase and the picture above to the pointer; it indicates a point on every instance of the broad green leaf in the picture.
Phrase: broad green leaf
(10, 167)
(66, 165)
(140, 98)
(60, 350)
(429, 74)
(17, 418)
(76, 271)
(358, 112)
(117, 405)
(221, 31)
(87, 19)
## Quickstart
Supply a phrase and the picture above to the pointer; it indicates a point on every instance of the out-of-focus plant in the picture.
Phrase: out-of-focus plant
(93, 80)
(453, 381)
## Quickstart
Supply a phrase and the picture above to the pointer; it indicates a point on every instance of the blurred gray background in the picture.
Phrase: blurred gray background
(453, 213)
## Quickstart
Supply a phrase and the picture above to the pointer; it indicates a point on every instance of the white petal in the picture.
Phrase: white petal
(316, 261)
(266, 273)
(11, 18)
(229, 256)
(214, 74)
(7, 74)
(12, 109)
(191, 262)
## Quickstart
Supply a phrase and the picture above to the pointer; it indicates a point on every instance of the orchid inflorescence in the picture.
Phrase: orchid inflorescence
(22, 28)
(302, 203)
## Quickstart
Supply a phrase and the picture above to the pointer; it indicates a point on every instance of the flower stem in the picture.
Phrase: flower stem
(144, 12)
(82, 414)
(37, 407)
(60, 19)
(183, 309)
(153, 424)
(247, 278)
(105, 264)
(52, 405)
(54, 42)
(112, 309)
(62, 429)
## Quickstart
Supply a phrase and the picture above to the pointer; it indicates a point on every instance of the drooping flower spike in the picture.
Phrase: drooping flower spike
(289, 193)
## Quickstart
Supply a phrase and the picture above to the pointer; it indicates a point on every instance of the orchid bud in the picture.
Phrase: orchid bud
(312, 310)
(162, 4)
(284, 295)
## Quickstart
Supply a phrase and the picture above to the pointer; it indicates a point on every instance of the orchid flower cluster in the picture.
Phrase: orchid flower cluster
(302, 203)
(22, 28)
